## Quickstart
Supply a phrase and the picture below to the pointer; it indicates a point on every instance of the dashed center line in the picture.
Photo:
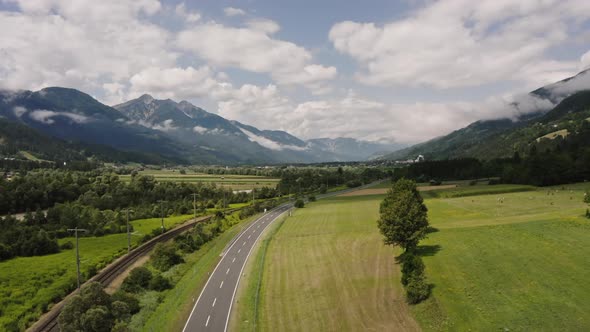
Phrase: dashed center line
(226, 272)
(221, 284)
(233, 260)
(239, 250)
(215, 300)
(207, 322)
(244, 242)
(248, 238)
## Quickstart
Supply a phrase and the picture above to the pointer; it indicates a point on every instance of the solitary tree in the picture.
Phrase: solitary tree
(403, 216)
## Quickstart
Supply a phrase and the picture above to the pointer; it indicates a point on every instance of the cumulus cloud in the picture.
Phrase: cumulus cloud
(231, 11)
(45, 116)
(175, 83)
(254, 50)
(458, 43)
(82, 44)
(189, 17)
(263, 25)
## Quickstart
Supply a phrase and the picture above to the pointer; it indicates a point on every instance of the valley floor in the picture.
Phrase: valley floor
(497, 261)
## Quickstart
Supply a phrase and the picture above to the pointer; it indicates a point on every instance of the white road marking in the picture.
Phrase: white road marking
(233, 260)
(215, 300)
(239, 250)
(245, 242)
(248, 238)
(207, 322)
(226, 272)
(221, 284)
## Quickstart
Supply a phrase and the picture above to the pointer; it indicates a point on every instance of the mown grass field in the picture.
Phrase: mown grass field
(326, 269)
(501, 258)
(29, 284)
(520, 265)
(236, 182)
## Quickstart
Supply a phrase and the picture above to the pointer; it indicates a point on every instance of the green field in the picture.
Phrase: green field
(518, 265)
(326, 269)
(236, 182)
(497, 260)
(29, 284)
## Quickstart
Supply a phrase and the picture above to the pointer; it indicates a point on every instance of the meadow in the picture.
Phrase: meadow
(521, 264)
(326, 269)
(507, 258)
(29, 284)
(236, 182)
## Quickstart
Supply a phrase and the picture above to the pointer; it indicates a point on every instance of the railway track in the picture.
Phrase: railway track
(49, 322)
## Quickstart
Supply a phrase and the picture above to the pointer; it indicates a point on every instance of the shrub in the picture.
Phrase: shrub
(312, 198)
(67, 245)
(138, 279)
(353, 184)
(131, 301)
(417, 289)
(165, 256)
(412, 265)
(159, 283)
(299, 203)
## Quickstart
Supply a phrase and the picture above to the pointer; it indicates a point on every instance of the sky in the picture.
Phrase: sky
(389, 71)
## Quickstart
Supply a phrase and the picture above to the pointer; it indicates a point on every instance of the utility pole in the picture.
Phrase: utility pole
(195, 204)
(76, 230)
(162, 213)
(128, 231)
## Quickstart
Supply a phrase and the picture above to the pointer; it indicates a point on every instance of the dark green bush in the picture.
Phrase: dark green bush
(299, 203)
(159, 283)
(417, 289)
(138, 279)
(165, 256)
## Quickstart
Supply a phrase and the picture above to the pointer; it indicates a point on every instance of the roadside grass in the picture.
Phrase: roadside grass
(327, 269)
(247, 305)
(175, 305)
(520, 265)
(28, 285)
(476, 190)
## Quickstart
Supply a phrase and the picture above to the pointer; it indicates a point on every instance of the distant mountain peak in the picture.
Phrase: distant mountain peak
(146, 98)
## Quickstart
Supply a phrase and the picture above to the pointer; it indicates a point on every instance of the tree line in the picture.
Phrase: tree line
(94, 201)
(564, 161)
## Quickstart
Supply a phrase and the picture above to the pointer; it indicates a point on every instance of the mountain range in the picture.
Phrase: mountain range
(151, 130)
(565, 104)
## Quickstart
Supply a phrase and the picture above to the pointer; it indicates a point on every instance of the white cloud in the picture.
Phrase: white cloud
(585, 59)
(458, 43)
(231, 11)
(82, 44)
(263, 141)
(577, 83)
(19, 111)
(175, 83)
(166, 125)
(199, 129)
(189, 17)
(263, 25)
(254, 50)
(45, 116)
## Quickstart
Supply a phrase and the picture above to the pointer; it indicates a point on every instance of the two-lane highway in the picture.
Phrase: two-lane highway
(213, 307)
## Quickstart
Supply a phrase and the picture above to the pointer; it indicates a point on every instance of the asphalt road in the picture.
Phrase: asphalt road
(213, 307)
